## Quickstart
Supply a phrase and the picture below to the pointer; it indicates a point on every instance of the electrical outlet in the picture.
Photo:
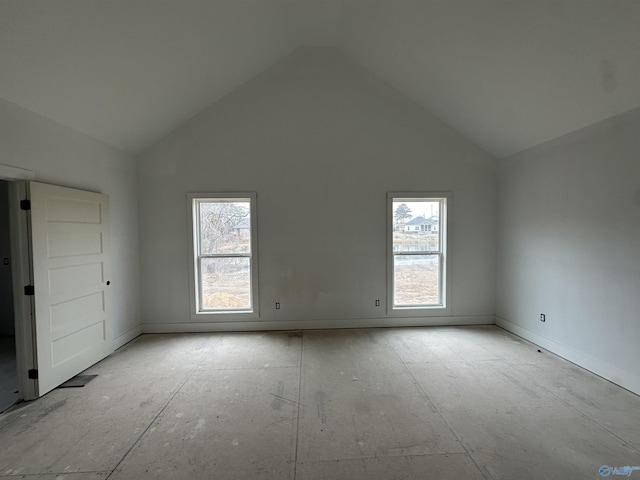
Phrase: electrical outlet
(543, 317)
(277, 305)
(377, 303)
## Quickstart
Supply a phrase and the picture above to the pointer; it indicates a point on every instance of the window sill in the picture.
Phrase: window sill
(419, 311)
(227, 316)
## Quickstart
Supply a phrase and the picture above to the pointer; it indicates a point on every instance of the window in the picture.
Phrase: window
(417, 239)
(224, 253)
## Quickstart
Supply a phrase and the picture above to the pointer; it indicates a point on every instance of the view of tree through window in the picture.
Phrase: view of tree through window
(417, 250)
(224, 254)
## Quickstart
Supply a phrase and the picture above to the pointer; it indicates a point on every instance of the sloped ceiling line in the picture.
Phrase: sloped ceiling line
(507, 74)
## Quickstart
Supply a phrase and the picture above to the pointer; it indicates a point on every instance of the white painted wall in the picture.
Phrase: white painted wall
(321, 141)
(59, 155)
(569, 247)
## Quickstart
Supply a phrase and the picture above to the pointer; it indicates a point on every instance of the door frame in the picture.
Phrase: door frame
(21, 276)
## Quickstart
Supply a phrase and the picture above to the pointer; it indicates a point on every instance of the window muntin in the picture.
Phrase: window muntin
(224, 253)
(417, 258)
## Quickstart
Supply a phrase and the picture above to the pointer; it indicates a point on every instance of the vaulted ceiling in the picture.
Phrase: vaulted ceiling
(508, 74)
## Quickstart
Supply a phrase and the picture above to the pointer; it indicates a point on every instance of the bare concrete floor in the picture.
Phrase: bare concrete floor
(421, 403)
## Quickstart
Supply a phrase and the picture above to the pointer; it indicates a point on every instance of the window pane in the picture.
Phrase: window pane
(416, 280)
(226, 283)
(225, 227)
(416, 226)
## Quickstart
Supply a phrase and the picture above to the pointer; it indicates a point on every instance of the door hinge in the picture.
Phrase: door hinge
(25, 204)
(33, 374)
(29, 290)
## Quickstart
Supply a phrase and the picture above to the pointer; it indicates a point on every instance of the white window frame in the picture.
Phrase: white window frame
(230, 314)
(444, 307)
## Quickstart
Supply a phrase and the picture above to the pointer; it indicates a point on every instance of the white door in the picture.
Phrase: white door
(70, 261)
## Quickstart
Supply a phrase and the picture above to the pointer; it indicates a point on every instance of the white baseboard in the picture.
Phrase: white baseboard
(609, 372)
(245, 326)
(127, 337)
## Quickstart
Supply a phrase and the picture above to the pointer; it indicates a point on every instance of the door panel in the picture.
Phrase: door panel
(70, 260)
